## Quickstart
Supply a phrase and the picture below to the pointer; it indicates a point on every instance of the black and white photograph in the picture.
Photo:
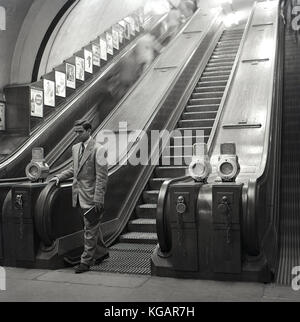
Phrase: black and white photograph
(149, 154)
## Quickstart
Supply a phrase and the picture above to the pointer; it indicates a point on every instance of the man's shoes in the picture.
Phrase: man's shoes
(101, 259)
(82, 268)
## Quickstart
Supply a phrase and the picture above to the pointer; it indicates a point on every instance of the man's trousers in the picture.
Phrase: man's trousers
(94, 246)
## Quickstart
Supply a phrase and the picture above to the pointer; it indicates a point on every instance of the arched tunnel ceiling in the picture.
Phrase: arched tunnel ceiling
(90, 18)
(85, 22)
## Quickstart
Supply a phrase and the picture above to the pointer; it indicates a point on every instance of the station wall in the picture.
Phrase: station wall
(87, 20)
(28, 21)
(15, 11)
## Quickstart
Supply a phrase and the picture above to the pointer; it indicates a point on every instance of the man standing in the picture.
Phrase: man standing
(90, 173)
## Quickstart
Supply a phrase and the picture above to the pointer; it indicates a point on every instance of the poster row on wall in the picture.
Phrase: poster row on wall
(99, 50)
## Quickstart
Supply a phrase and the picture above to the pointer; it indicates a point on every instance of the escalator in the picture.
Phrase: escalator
(226, 225)
(289, 239)
(133, 251)
(55, 233)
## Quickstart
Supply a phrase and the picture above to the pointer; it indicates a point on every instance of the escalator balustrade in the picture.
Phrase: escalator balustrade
(289, 239)
(133, 251)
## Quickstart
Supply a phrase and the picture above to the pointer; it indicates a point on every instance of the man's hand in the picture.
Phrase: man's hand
(56, 180)
(99, 207)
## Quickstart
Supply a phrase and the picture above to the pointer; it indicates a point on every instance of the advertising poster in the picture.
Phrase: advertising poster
(127, 29)
(115, 37)
(79, 68)
(70, 72)
(96, 55)
(88, 61)
(36, 103)
(2, 116)
(103, 49)
(109, 40)
(60, 84)
(137, 23)
(121, 32)
(141, 17)
(131, 22)
(49, 93)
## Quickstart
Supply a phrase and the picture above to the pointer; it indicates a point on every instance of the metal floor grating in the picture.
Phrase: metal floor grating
(127, 260)
(143, 248)
(137, 235)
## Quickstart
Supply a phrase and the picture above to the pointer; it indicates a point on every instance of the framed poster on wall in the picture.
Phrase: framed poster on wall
(115, 38)
(103, 49)
(2, 116)
(141, 16)
(37, 103)
(137, 23)
(60, 84)
(131, 23)
(88, 61)
(70, 72)
(109, 41)
(79, 68)
(49, 93)
(96, 55)
(127, 29)
(121, 29)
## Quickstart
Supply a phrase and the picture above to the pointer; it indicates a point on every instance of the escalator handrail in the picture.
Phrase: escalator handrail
(230, 83)
(42, 222)
(272, 139)
(161, 220)
(268, 138)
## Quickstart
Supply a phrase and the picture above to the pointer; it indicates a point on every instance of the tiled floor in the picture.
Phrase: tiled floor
(64, 285)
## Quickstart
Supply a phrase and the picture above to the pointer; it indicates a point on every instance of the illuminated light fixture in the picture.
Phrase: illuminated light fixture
(157, 7)
(228, 166)
(37, 169)
(231, 19)
(200, 167)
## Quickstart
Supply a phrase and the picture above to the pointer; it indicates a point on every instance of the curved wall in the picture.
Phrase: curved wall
(87, 20)
(16, 11)
(34, 28)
